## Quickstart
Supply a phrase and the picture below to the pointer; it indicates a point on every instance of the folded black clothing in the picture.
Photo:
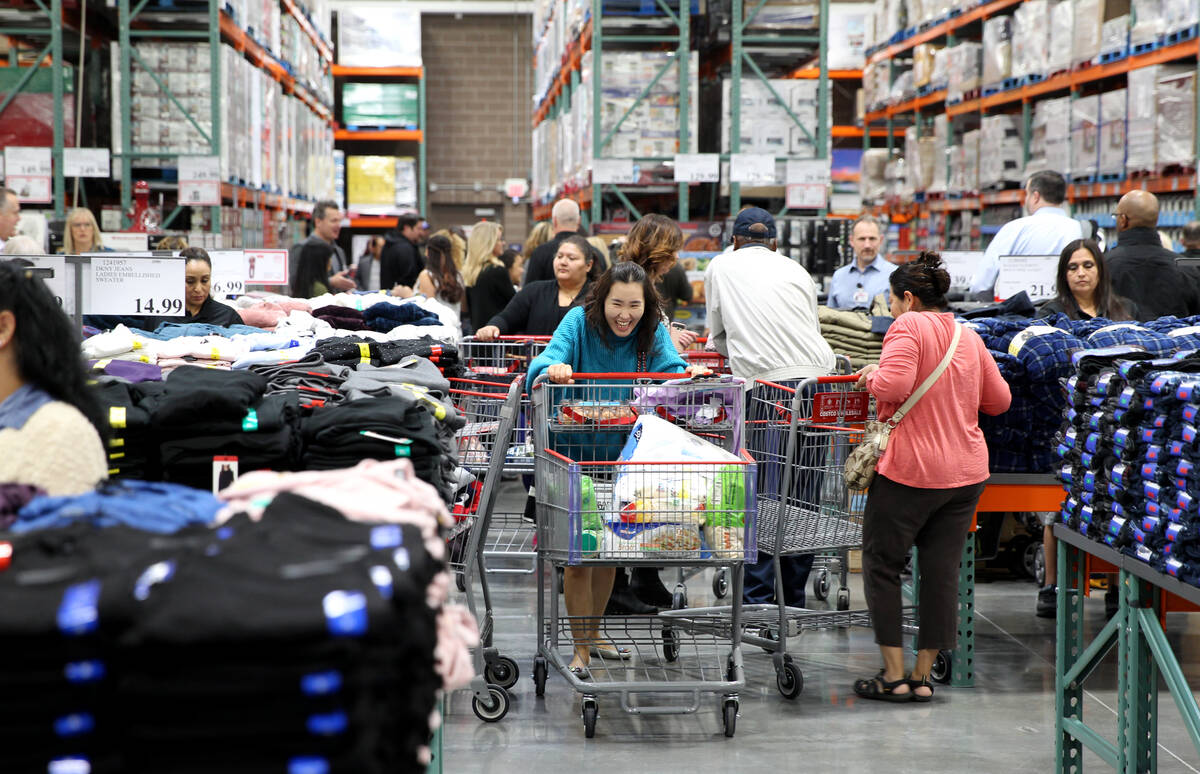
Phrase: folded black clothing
(189, 461)
(353, 350)
(385, 316)
(340, 316)
(268, 414)
(408, 422)
(194, 393)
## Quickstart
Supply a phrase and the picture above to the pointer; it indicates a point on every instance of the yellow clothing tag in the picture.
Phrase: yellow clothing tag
(116, 417)
(116, 455)
(364, 351)
(114, 471)
(216, 354)
(102, 364)
(137, 345)
(144, 359)
(116, 443)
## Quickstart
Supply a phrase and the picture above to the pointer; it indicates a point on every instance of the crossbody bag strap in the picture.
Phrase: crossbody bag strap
(929, 380)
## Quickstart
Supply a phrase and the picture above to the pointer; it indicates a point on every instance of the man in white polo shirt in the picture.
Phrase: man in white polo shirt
(1045, 231)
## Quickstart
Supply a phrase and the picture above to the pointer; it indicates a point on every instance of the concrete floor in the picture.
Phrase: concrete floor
(1004, 724)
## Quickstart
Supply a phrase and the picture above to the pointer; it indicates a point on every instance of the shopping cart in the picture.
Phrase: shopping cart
(508, 544)
(800, 434)
(490, 409)
(596, 512)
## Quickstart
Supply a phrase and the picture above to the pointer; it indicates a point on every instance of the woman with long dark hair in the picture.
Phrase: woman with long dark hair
(653, 243)
(312, 270)
(51, 426)
(200, 306)
(929, 479)
(440, 278)
(1084, 288)
(540, 306)
(616, 331)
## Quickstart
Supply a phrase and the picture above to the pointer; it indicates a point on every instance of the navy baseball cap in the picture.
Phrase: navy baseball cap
(750, 216)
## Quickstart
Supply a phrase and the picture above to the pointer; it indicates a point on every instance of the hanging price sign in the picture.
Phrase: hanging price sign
(962, 266)
(27, 171)
(127, 285)
(697, 168)
(86, 162)
(199, 180)
(267, 267)
(753, 168)
(228, 272)
(613, 171)
(1035, 274)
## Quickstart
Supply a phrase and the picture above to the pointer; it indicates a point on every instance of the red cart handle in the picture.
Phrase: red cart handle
(846, 379)
(631, 376)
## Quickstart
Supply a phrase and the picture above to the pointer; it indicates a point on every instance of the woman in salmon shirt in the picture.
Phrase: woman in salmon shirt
(929, 479)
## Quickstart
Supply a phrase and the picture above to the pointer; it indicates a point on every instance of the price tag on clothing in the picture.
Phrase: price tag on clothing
(1018, 341)
(697, 168)
(1035, 274)
(128, 285)
(228, 273)
(86, 162)
(752, 168)
(27, 172)
(199, 180)
(613, 172)
(266, 267)
(962, 266)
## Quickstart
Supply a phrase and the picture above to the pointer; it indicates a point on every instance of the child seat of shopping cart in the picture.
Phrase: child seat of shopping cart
(597, 510)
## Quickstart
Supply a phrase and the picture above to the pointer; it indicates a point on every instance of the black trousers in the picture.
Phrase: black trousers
(936, 521)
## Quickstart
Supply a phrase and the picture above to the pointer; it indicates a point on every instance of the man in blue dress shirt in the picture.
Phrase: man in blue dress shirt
(857, 283)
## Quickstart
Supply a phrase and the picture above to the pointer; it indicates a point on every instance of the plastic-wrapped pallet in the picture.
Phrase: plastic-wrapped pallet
(1085, 137)
(1141, 141)
(653, 127)
(997, 49)
(938, 176)
(872, 174)
(765, 124)
(924, 56)
(387, 35)
(964, 70)
(1148, 21)
(1112, 132)
(902, 88)
(912, 156)
(1179, 14)
(1058, 135)
(1062, 21)
(1086, 31)
(1114, 35)
(1031, 38)
(937, 78)
(1002, 163)
(1176, 100)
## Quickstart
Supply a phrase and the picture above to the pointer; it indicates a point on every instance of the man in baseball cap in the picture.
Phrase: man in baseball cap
(762, 315)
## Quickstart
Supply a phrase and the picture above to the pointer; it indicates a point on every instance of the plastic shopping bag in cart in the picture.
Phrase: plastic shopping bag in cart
(696, 405)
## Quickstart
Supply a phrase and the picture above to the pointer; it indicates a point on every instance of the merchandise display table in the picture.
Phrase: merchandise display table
(1143, 652)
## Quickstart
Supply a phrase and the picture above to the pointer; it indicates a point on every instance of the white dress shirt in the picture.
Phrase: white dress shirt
(1045, 232)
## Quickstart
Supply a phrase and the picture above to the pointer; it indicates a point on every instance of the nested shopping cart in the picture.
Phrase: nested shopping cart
(800, 434)
(508, 544)
(490, 409)
(594, 511)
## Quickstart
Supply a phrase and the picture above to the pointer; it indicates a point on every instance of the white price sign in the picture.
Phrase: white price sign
(807, 196)
(962, 267)
(613, 171)
(199, 180)
(807, 171)
(1035, 274)
(27, 171)
(62, 286)
(86, 162)
(754, 168)
(127, 241)
(267, 267)
(127, 285)
(697, 168)
(228, 272)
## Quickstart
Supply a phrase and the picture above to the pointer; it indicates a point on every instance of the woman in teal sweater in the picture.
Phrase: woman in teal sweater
(611, 333)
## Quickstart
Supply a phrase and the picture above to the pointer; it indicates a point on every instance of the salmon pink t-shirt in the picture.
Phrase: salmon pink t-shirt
(938, 444)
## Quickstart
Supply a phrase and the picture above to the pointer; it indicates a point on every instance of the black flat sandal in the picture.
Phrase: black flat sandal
(881, 690)
(914, 684)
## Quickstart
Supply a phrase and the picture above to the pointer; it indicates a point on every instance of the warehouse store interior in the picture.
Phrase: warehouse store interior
(493, 385)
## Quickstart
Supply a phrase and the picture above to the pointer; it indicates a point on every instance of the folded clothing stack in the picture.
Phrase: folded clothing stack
(341, 317)
(132, 444)
(312, 643)
(1129, 449)
(855, 335)
(385, 317)
(355, 350)
(314, 382)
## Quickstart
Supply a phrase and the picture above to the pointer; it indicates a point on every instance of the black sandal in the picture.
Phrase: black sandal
(914, 684)
(881, 690)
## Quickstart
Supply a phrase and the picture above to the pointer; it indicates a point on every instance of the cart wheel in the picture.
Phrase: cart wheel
(789, 681)
(720, 584)
(731, 713)
(590, 711)
(504, 672)
(559, 572)
(460, 580)
(539, 676)
(494, 708)
(679, 598)
(843, 599)
(1032, 559)
(820, 584)
(1039, 566)
(942, 666)
(670, 644)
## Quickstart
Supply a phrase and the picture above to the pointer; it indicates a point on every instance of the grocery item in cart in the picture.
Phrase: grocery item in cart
(592, 412)
(679, 401)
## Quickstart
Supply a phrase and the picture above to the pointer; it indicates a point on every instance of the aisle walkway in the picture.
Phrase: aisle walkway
(1004, 724)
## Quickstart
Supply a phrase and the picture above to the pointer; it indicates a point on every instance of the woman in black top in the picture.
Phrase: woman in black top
(540, 306)
(1084, 288)
(199, 304)
(485, 276)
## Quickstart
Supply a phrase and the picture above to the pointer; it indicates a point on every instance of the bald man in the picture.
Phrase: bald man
(565, 219)
(1144, 271)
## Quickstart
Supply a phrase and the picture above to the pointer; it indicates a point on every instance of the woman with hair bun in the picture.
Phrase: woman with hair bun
(931, 474)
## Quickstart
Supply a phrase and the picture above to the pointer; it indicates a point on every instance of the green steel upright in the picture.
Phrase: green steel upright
(739, 56)
(422, 181)
(209, 32)
(602, 140)
(52, 30)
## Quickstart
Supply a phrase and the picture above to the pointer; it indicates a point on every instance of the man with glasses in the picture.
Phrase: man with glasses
(1144, 271)
(1045, 231)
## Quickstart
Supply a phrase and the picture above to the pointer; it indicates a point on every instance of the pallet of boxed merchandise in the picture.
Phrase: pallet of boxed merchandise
(1050, 137)
(765, 124)
(1031, 40)
(379, 35)
(652, 129)
(1114, 39)
(1002, 165)
(939, 174)
(1176, 118)
(1178, 16)
(1062, 26)
(1088, 27)
(1085, 138)
(1112, 135)
(964, 70)
(924, 63)
(1148, 27)
(997, 52)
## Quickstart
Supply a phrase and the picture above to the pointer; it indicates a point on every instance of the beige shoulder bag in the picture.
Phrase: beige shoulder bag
(860, 465)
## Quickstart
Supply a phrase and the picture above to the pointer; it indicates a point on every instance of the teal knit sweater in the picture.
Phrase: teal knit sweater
(587, 351)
